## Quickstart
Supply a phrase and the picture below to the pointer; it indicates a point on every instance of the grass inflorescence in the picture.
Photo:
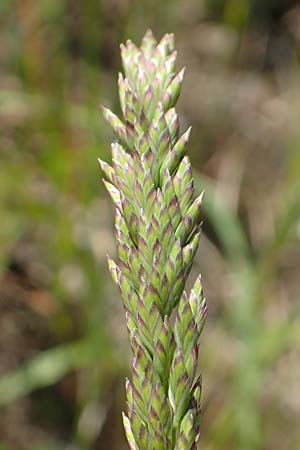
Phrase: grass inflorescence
(157, 224)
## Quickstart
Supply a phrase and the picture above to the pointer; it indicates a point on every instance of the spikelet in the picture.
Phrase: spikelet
(157, 226)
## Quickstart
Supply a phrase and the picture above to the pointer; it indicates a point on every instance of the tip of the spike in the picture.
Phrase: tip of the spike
(148, 41)
(149, 33)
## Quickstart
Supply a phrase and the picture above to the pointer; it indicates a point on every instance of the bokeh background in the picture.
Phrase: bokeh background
(63, 345)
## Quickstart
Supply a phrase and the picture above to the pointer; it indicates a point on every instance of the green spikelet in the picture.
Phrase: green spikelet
(157, 234)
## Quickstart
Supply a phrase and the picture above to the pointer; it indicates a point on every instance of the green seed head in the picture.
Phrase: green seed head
(157, 235)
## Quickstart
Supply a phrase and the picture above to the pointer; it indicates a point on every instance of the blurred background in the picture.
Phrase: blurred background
(63, 345)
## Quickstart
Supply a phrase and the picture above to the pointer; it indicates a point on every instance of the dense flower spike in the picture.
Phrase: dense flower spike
(157, 233)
